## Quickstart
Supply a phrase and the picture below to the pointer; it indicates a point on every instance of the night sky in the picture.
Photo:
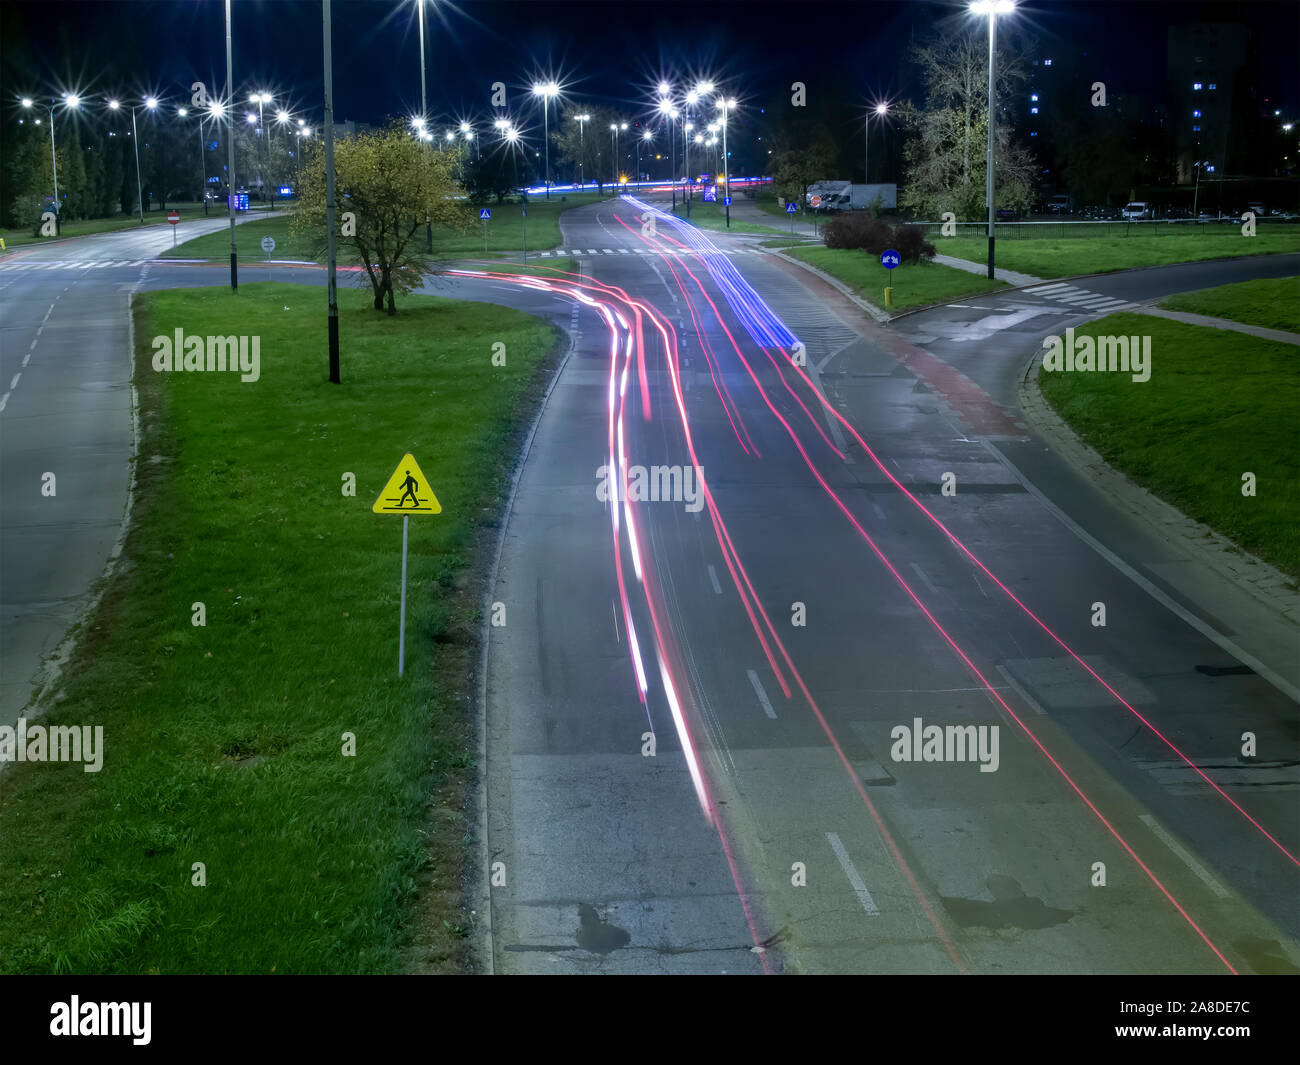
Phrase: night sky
(603, 53)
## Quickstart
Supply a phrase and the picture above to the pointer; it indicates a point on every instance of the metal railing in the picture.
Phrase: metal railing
(1157, 227)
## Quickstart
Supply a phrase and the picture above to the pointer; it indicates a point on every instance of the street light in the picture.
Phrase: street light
(546, 90)
(70, 101)
(646, 135)
(582, 121)
(614, 128)
(992, 8)
(203, 162)
(260, 98)
(881, 110)
(151, 103)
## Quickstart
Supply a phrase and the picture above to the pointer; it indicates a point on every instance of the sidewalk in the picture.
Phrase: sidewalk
(1222, 323)
(1011, 277)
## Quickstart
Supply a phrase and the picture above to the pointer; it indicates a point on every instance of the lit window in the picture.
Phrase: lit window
(1033, 96)
(1034, 133)
(1196, 114)
(1196, 129)
(1196, 86)
(1047, 62)
(1033, 110)
(1212, 86)
(1209, 170)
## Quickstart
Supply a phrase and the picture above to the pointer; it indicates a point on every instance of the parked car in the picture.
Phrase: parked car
(1005, 214)
(1136, 211)
(1060, 205)
(1258, 208)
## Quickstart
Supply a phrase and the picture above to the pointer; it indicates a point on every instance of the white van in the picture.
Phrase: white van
(1134, 211)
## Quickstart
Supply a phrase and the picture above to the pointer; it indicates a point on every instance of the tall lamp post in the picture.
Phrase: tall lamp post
(546, 90)
(151, 104)
(71, 102)
(582, 121)
(260, 98)
(614, 128)
(881, 110)
(992, 8)
(646, 136)
(203, 162)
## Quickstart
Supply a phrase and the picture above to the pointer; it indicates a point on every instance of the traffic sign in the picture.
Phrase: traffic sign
(710, 194)
(268, 244)
(889, 259)
(407, 482)
(790, 208)
(173, 217)
(484, 213)
(816, 201)
(726, 200)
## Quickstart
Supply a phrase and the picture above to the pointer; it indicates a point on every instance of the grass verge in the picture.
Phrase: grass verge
(1273, 303)
(712, 216)
(1213, 409)
(15, 238)
(223, 743)
(914, 284)
(1065, 257)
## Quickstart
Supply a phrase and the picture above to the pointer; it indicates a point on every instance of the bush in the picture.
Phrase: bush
(911, 245)
(857, 229)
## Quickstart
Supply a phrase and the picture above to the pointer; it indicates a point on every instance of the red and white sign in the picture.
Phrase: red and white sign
(816, 201)
(173, 217)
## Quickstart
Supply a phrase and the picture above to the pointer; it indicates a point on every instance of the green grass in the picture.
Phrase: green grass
(1065, 257)
(223, 743)
(1273, 303)
(712, 216)
(505, 234)
(1212, 410)
(188, 212)
(914, 284)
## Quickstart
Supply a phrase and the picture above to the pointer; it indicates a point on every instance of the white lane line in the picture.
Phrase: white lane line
(1048, 288)
(592, 251)
(1029, 700)
(3, 400)
(859, 888)
(1096, 301)
(762, 695)
(1084, 298)
(713, 579)
(925, 579)
(624, 251)
(14, 383)
(33, 345)
(879, 513)
(614, 611)
(1196, 867)
(27, 358)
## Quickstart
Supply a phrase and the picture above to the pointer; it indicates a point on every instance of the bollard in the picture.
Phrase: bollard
(889, 296)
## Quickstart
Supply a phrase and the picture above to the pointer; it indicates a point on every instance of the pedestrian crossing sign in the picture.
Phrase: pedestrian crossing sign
(407, 492)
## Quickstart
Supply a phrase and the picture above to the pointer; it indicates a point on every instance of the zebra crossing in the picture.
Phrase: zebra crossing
(561, 253)
(1079, 298)
(70, 264)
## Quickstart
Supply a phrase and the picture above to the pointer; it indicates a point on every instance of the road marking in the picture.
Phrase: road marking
(1030, 701)
(3, 400)
(713, 579)
(925, 579)
(623, 251)
(614, 611)
(1196, 867)
(27, 358)
(1048, 288)
(879, 512)
(859, 888)
(14, 383)
(591, 251)
(33, 347)
(762, 695)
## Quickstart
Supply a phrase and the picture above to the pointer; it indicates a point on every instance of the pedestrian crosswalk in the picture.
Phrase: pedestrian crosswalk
(1079, 298)
(563, 253)
(70, 264)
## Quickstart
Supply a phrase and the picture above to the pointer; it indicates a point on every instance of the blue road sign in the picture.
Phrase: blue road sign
(790, 208)
(889, 259)
(726, 201)
(484, 213)
(710, 194)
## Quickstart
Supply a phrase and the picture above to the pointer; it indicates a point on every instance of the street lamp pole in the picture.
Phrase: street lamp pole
(230, 151)
(331, 250)
(993, 8)
(424, 113)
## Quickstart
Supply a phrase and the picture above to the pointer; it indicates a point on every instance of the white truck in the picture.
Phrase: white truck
(847, 196)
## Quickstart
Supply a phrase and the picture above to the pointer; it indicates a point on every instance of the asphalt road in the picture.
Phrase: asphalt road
(769, 641)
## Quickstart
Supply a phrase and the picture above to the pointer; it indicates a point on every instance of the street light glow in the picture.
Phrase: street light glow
(282, 117)
(27, 101)
(992, 7)
(113, 105)
(881, 108)
(72, 100)
(664, 88)
(182, 111)
(151, 102)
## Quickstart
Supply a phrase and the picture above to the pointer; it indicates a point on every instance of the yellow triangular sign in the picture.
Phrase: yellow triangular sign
(407, 491)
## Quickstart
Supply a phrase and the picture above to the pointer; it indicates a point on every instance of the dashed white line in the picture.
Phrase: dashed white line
(713, 579)
(27, 358)
(855, 880)
(925, 579)
(762, 695)
(1196, 867)
(14, 383)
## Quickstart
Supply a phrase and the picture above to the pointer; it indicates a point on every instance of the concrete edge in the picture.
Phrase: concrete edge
(483, 938)
(875, 312)
(1265, 584)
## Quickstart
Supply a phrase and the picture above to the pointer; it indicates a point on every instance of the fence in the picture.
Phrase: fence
(1144, 228)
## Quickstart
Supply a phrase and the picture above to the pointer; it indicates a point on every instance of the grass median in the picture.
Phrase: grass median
(15, 238)
(224, 743)
(1217, 406)
(1068, 256)
(914, 284)
(1273, 303)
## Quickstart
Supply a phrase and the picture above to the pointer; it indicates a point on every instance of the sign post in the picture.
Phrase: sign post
(174, 218)
(790, 209)
(268, 246)
(889, 260)
(524, 212)
(485, 213)
(407, 482)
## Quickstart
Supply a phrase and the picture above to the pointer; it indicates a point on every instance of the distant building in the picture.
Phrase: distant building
(1213, 71)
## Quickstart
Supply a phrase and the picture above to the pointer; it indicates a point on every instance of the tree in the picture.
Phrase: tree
(392, 184)
(578, 145)
(944, 159)
(794, 169)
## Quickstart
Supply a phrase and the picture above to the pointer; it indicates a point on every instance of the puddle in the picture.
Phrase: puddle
(597, 935)
(1010, 908)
